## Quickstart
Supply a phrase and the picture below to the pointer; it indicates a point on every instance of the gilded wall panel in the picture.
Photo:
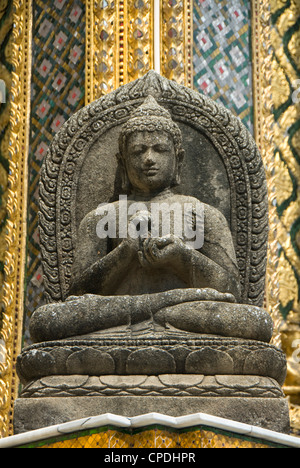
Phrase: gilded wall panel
(176, 41)
(101, 66)
(16, 57)
(275, 27)
(285, 65)
(119, 44)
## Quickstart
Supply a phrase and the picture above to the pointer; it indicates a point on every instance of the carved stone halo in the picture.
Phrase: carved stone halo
(223, 167)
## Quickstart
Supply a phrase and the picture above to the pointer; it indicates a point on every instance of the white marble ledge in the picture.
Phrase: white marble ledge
(181, 422)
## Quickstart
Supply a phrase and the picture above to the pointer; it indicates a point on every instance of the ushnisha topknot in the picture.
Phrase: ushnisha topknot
(151, 117)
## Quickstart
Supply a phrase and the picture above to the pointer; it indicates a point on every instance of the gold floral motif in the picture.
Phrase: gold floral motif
(280, 85)
(292, 210)
(288, 286)
(286, 40)
(296, 139)
(283, 146)
(276, 4)
(287, 19)
(282, 180)
(11, 331)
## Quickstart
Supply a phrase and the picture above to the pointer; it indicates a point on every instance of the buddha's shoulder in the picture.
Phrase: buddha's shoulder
(208, 209)
(183, 199)
(92, 218)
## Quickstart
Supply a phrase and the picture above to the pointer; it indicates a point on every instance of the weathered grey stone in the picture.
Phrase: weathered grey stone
(145, 360)
(192, 310)
(153, 355)
(209, 361)
(132, 297)
(222, 167)
(33, 413)
(90, 361)
(154, 385)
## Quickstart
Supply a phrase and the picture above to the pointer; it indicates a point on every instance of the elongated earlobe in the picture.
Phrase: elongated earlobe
(177, 178)
(123, 172)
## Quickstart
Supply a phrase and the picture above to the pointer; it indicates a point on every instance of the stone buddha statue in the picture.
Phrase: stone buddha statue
(155, 303)
(151, 156)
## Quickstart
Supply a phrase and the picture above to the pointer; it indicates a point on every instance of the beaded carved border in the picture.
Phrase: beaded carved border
(119, 44)
(19, 56)
(176, 41)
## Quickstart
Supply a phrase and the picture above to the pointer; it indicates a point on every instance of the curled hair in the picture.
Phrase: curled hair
(151, 117)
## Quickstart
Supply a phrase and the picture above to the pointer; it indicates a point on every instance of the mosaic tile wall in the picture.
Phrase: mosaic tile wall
(58, 83)
(222, 54)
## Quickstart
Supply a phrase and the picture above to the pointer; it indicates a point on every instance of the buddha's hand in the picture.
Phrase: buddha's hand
(160, 251)
(131, 246)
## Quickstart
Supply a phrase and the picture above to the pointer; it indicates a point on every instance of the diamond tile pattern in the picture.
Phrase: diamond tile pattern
(58, 81)
(222, 56)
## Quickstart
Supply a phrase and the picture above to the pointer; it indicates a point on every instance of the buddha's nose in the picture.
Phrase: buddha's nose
(149, 157)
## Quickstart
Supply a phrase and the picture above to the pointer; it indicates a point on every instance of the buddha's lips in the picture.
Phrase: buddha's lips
(151, 171)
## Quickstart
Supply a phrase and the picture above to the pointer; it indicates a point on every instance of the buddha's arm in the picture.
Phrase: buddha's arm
(95, 270)
(202, 272)
(212, 266)
(102, 276)
(217, 256)
(193, 267)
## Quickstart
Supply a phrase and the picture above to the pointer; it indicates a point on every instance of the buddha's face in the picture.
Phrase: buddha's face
(150, 161)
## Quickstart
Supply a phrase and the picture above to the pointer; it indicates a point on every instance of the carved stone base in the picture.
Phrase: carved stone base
(35, 413)
(179, 385)
(174, 354)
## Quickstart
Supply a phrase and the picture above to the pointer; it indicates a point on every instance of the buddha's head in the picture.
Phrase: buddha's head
(150, 149)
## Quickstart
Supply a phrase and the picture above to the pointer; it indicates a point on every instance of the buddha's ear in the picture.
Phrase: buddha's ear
(123, 172)
(180, 158)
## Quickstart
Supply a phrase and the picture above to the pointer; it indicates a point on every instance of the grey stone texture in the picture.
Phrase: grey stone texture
(267, 413)
(142, 323)
(182, 354)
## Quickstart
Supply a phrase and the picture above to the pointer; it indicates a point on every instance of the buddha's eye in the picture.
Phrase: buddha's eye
(138, 150)
(161, 148)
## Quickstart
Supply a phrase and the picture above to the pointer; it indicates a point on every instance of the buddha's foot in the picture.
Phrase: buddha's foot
(198, 311)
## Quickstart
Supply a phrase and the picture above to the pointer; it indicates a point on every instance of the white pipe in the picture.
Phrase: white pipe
(180, 422)
(156, 38)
